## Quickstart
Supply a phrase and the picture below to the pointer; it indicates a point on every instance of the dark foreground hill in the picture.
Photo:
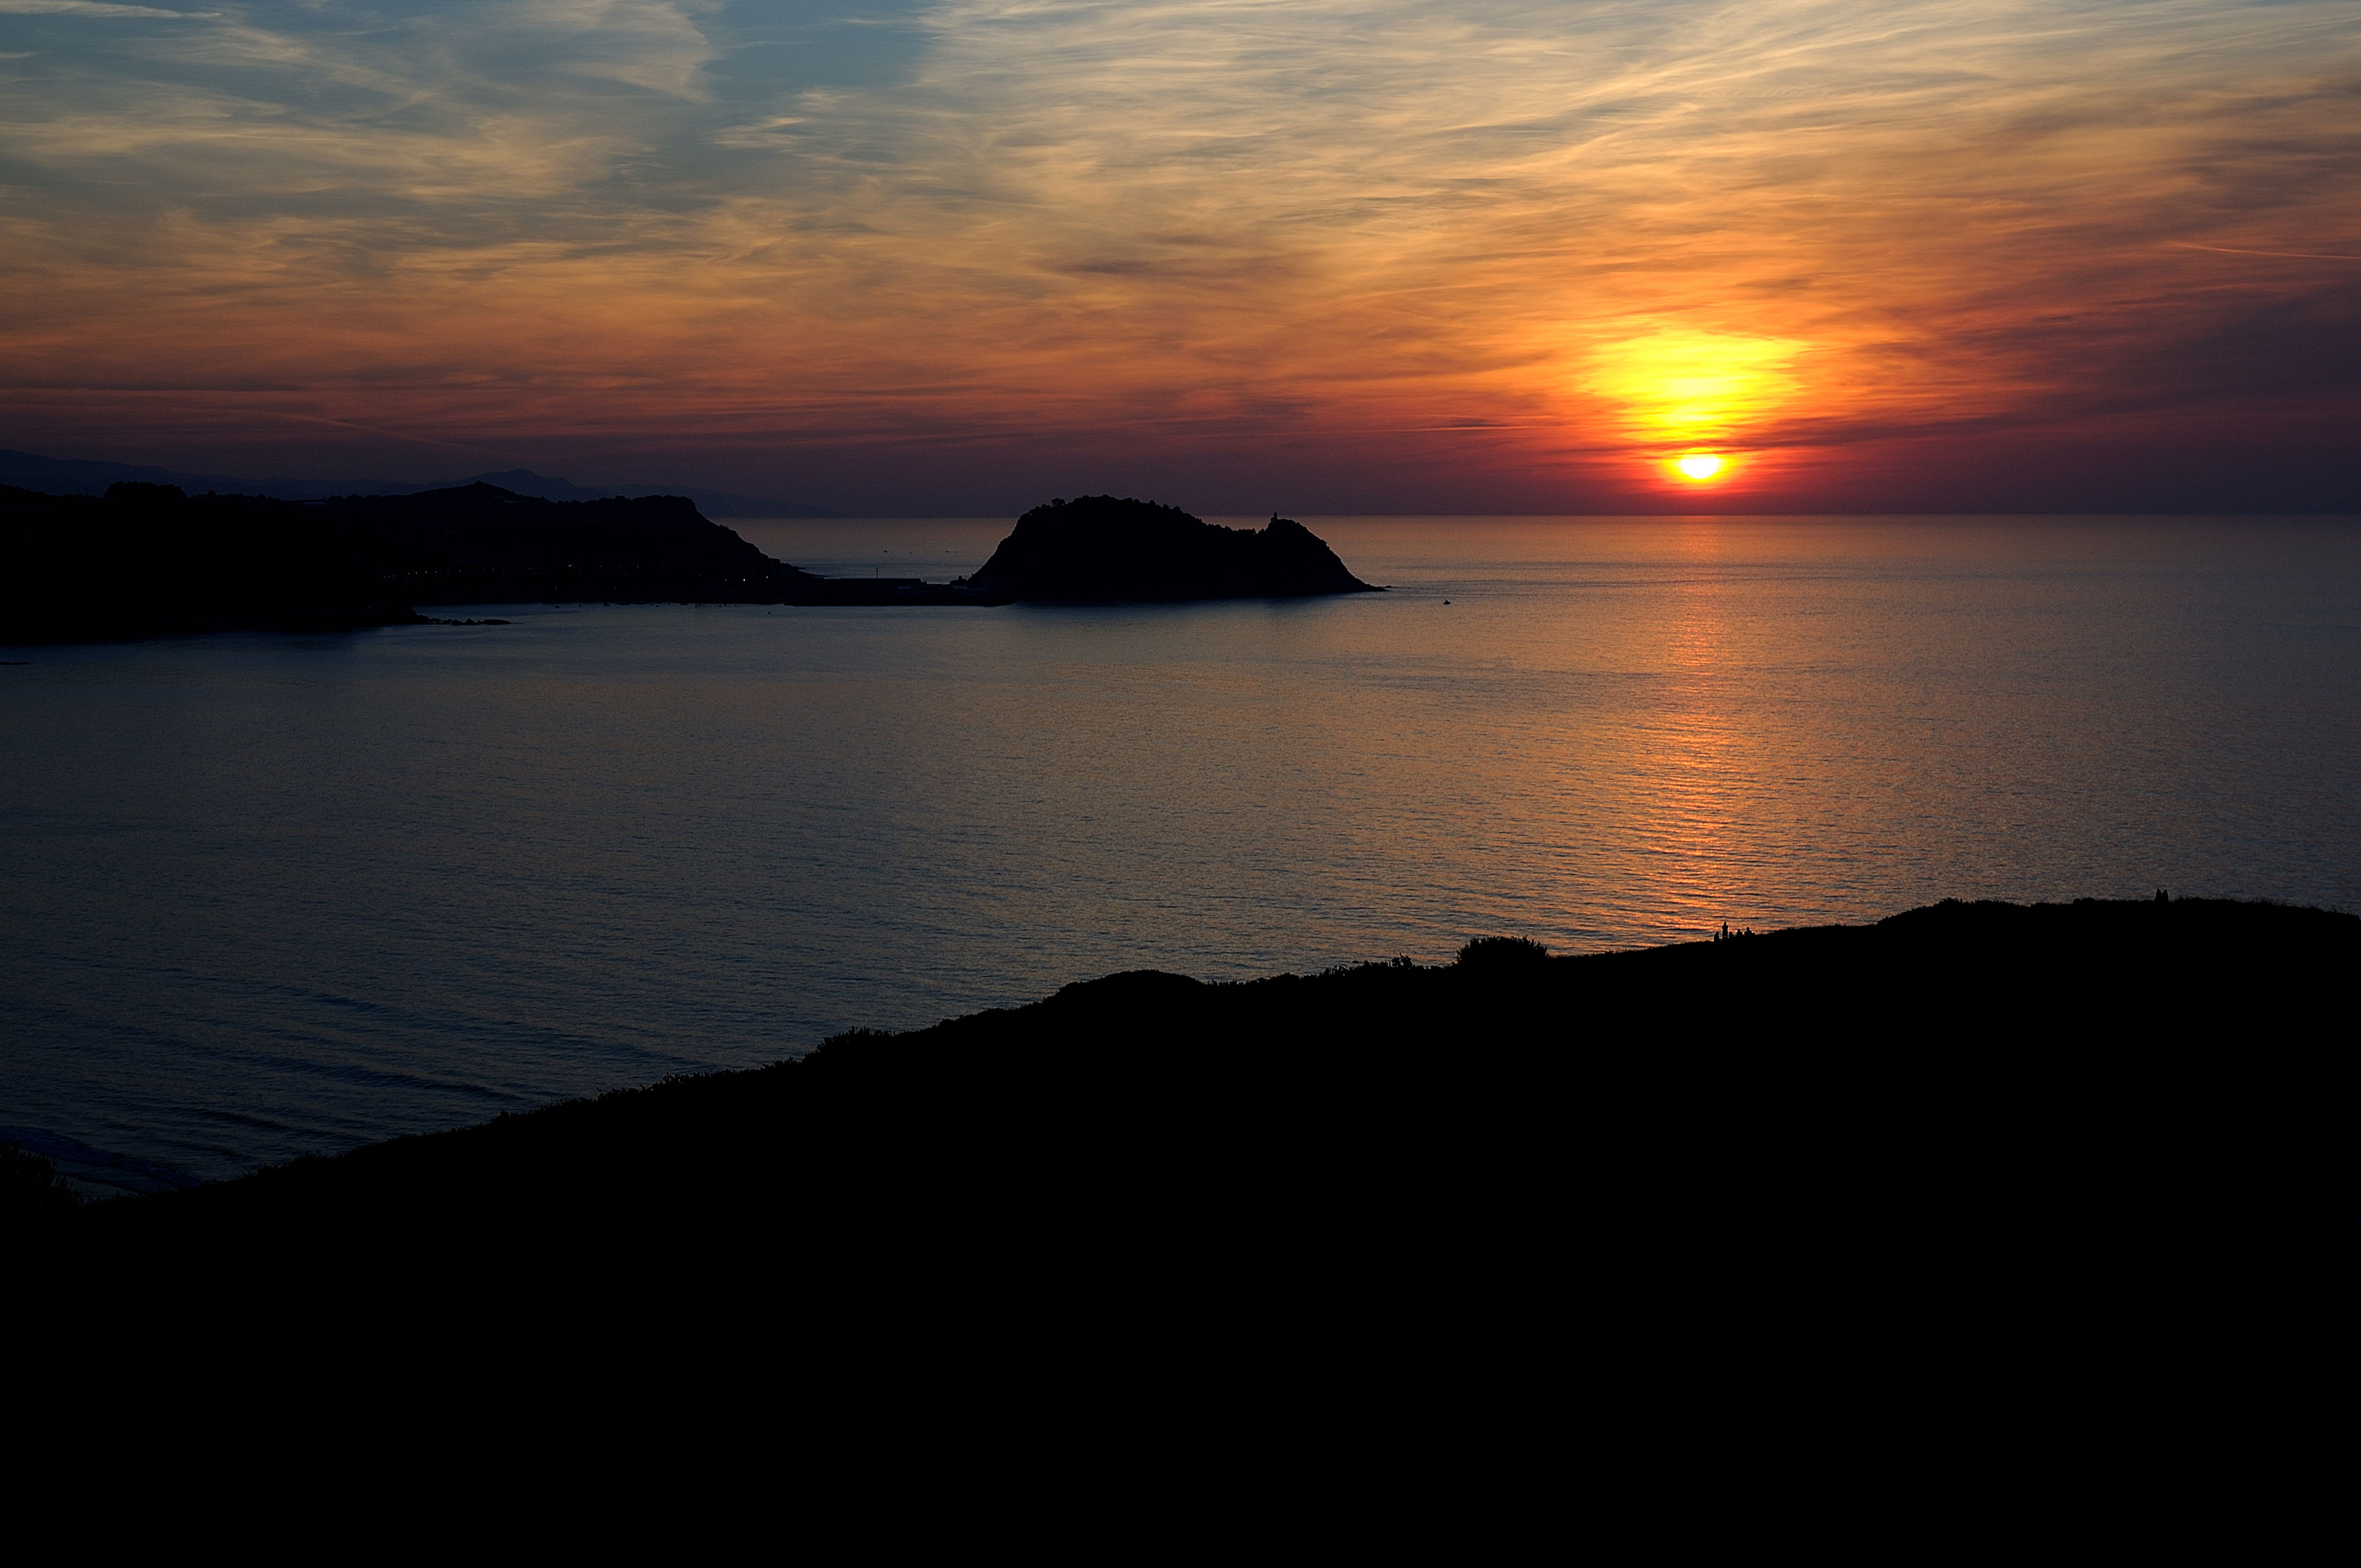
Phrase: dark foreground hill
(147, 560)
(1098, 547)
(1969, 1106)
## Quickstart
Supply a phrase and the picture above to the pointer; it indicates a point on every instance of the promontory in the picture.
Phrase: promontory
(149, 560)
(1098, 547)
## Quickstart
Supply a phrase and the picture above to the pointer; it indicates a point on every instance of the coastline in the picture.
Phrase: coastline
(2080, 1034)
(147, 560)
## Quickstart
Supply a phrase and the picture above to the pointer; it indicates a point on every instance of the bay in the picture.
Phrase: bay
(266, 895)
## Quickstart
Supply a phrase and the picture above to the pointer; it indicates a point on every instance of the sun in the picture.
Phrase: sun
(1699, 466)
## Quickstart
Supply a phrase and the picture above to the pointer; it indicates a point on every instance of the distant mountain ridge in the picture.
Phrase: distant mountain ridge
(90, 476)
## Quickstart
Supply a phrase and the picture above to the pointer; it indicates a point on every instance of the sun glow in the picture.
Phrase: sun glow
(1693, 390)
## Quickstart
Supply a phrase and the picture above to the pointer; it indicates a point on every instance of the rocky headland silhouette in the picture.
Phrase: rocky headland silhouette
(1110, 549)
(1105, 548)
(151, 560)
(1979, 1100)
(147, 560)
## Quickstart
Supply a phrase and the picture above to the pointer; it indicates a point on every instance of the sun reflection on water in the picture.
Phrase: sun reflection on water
(1695, 758)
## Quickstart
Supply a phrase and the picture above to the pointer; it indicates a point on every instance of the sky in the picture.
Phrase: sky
(953, 256)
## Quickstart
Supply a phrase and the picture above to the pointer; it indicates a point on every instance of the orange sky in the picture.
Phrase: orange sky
(1237, 254)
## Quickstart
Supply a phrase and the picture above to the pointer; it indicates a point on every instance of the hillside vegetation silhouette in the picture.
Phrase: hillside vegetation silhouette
(1968, 1098)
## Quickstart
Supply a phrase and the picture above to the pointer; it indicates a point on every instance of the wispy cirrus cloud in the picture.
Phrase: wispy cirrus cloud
(1185, 221)
(95, 9)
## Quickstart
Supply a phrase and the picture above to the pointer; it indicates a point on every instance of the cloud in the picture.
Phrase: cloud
(2282, 255)
(1399, 211)
(1184, 221)
(95, 9)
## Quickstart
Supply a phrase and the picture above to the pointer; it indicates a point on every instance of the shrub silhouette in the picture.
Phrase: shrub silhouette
(1501, 952)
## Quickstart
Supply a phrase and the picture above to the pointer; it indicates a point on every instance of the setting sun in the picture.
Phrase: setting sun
(1699, 466)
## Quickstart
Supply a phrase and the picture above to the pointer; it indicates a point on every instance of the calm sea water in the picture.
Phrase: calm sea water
(270, 895)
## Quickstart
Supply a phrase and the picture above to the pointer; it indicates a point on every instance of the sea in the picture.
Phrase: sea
(270, 895)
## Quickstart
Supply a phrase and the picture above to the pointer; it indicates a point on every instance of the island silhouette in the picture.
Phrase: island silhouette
(1098, 547)
(149, 559)
(1119, 550)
